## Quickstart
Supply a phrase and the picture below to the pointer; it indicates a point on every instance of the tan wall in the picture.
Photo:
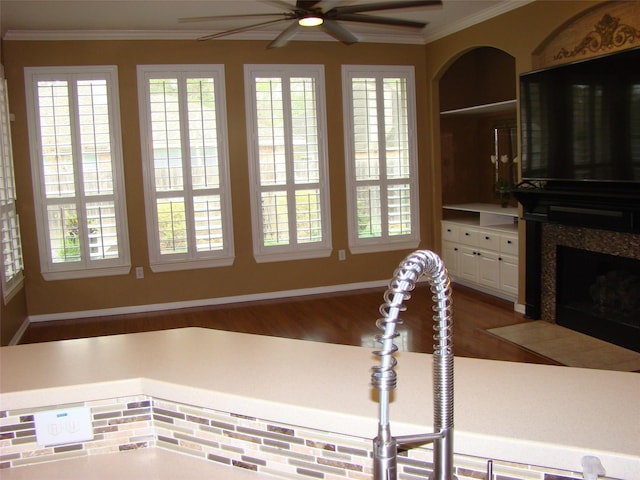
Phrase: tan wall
(245, 276)
(12, 316)
(517, 32)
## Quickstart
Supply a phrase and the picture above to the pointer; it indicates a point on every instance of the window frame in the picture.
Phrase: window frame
(384, 242)
(10, 283)
(192, 259)
(86, 267)
(294, 250)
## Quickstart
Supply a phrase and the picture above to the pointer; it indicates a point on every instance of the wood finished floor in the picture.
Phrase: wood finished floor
(345, 318)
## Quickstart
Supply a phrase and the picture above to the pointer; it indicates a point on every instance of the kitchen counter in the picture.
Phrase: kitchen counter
(531, 414)
(147, 464)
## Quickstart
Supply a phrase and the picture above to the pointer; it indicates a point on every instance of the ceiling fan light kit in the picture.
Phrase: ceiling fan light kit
(310, 21)
(310, 13)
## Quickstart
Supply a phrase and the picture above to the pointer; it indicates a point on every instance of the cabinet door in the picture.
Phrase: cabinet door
(488, 268)
(467, 263)
(450, 257)
(509, 274)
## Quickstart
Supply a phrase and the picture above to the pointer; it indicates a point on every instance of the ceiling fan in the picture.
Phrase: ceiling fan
(320, 14)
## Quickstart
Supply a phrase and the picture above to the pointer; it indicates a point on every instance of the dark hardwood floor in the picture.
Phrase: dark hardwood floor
(344, 318)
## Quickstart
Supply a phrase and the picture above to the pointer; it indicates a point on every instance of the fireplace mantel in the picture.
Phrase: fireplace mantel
(608, 207)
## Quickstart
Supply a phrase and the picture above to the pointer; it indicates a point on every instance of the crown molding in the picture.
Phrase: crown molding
(62, 35)
(471, 20)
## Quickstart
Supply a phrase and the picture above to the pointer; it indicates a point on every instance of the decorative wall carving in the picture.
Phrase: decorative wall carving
(605, 28)
(608, 34)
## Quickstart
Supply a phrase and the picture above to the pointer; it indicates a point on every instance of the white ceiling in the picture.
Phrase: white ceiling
(153, 19)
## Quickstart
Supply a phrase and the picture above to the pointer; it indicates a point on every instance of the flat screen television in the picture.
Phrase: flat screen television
(580, 122)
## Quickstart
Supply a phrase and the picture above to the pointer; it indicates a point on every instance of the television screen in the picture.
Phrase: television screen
(581, 121)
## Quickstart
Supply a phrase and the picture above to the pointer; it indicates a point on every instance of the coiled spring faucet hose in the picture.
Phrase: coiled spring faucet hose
(405, 277)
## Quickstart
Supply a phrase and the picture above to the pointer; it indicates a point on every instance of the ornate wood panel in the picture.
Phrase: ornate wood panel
(605, 28)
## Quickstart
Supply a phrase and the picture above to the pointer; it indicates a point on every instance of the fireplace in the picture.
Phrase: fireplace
(599, 294)
(580, 245)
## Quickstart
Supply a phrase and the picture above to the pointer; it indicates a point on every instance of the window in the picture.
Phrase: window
(381, 152)
(10, 247)
(76, 157)
(184, 138)
(288, 161)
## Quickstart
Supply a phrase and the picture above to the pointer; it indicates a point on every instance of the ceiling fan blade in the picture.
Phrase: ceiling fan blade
(327, 5)
(240, 29)
(306, 4)
(339, 32)
(279, 4)
(229, 17)
(354, 17)
(374, 7)
(284, 37)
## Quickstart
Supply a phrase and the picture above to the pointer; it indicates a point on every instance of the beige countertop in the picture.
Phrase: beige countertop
(532, 414)
(147, 464)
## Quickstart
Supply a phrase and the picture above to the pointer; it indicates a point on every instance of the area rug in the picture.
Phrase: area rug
(569, 347)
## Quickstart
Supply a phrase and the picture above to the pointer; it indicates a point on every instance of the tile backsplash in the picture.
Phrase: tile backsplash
(270, 448)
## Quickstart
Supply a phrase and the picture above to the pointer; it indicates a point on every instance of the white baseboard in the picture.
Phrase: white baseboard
(21, 331)
(48, 317)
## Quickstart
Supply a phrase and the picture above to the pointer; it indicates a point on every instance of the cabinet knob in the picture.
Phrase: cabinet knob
(486, 238)
(455, 249)
(466, 233)
(448, 230)
(500, 259)
(509, 242)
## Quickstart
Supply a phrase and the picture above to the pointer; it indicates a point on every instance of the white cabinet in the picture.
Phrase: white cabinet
(482, 257)
(509, 274)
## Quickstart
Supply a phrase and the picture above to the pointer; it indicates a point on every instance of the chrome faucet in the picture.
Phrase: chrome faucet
(385, 447)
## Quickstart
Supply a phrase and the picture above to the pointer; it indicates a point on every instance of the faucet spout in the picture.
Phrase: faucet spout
(384, 378)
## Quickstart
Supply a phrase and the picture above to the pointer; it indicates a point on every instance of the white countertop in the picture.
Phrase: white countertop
(532, 414)
(147, 464)
(483, 208)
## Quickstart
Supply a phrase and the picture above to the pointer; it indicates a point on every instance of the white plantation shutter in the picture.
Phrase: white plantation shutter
(74, 131)
(381, 155)
(11, 271)
(288, 163)
(183, 118)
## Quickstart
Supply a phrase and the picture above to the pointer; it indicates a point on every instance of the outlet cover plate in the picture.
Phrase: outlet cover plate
(60, 427)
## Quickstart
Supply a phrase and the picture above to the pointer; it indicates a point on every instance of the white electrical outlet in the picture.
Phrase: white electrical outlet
(342, 255)
(59, 427)
(139, 273)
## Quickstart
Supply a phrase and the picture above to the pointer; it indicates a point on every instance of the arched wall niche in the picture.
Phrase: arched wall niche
(469, 85)
(605, 28)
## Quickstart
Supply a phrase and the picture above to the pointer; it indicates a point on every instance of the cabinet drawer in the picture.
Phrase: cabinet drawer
(509, 244)
(450, 232)
(468, 236)
(488, 240)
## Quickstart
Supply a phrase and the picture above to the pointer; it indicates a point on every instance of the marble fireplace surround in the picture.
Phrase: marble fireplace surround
(594, 240)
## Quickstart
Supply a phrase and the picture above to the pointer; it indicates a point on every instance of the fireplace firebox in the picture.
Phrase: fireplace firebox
(599, 294)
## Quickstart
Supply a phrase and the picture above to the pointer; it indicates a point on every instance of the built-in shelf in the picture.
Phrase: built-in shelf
(498, 107)
(488, 213)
